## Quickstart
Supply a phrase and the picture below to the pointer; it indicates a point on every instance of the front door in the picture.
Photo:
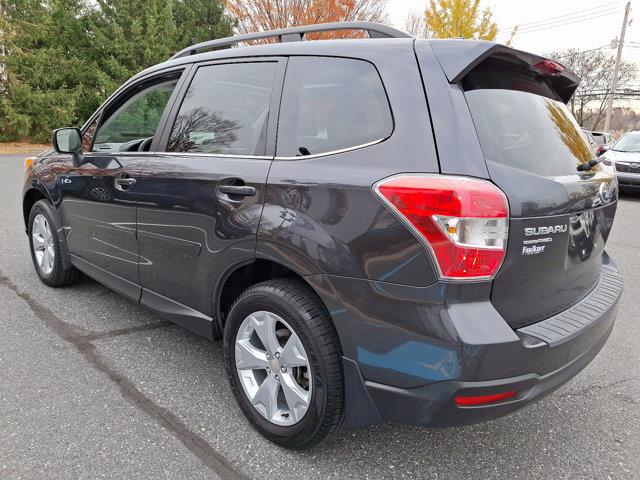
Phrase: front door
(200, 201)
(99, 192)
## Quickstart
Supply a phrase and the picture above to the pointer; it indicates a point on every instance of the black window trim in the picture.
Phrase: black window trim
(161, 138)
(355, 147)
(272, 120)
(124, 90)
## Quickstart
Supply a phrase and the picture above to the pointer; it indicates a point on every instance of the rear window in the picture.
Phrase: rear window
(331, 104)
(521, 122)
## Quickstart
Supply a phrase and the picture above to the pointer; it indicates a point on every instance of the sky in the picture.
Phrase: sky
(548, 25)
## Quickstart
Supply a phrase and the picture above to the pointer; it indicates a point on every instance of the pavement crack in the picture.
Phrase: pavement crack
(591, 388)
(196, 444)
(125, 331)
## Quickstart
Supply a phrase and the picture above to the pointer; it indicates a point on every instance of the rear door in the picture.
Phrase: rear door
(99, 192)
(201, 198)
(560, 217)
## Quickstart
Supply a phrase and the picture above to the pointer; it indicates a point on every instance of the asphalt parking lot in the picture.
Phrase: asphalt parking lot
(94, 386)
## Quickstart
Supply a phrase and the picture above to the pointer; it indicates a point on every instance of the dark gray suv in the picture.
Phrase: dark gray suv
(379, 229)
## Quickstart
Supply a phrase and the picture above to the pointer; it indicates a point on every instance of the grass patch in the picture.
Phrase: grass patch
(8, 148)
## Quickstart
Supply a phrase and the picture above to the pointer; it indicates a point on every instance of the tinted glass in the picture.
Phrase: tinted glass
(225, 110)
(331, 104)
(521, 123)
(135, 119)
(590, 140)
(630, 142)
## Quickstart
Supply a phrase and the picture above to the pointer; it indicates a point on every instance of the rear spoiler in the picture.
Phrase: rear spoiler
(459, 57)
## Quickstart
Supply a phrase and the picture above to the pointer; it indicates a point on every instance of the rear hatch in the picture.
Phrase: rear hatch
(560, 217)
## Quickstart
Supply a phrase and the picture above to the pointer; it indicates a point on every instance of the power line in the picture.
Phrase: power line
(568, 21)
(574, 54)
(553, 19)
(561, 24)
(561, 18)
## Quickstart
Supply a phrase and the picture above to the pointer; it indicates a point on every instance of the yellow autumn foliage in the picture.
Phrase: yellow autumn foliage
(460, 18)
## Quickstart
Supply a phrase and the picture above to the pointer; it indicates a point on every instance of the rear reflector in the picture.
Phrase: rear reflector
(465, 401)
(463, 221)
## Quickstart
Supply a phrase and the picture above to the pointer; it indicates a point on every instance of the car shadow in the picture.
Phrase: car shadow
(184, 373)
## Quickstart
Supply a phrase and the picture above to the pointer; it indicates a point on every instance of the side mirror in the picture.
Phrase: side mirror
(67, 140)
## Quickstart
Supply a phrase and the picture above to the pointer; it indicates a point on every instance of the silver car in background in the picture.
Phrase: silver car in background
(624, 157)
(604, 141)
(593, 145)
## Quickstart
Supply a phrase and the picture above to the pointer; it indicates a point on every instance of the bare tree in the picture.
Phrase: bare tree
(624, 119)
(369, 10)
(595, 69)
(416, 24)
(512, 35)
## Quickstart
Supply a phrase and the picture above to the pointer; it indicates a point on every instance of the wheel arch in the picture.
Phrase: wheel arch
(30, 197)
(241, 276)
(34, 194)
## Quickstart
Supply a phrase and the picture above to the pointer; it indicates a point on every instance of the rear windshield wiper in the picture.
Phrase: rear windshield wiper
(583, 167)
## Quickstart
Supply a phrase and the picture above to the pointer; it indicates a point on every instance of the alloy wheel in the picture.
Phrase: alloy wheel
(42, 242)
(273, 368)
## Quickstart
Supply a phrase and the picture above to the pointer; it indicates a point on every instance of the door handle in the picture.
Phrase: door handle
(241, 190)
(126, 181)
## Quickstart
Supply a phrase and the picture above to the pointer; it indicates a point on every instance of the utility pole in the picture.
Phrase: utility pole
(616, 69)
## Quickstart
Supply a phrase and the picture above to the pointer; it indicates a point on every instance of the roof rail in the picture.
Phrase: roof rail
(296, 34)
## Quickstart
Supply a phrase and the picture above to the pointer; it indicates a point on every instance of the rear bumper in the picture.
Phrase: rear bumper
(434, 404)
(469, 350)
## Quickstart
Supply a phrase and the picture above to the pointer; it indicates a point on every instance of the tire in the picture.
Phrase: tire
(301, 312)
(56, 276)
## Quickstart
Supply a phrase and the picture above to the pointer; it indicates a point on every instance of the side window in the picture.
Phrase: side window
(331, 104)
(132, 122)
(225, 110)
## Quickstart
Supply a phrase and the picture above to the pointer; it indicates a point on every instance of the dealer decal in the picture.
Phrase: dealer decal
(533, 250)
(535, 246)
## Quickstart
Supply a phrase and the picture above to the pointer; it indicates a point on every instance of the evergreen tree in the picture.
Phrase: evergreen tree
(200, 20)
(64, 57)
(42, 67)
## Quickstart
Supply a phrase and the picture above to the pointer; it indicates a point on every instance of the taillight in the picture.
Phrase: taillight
(549, 66)
(463, 221)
